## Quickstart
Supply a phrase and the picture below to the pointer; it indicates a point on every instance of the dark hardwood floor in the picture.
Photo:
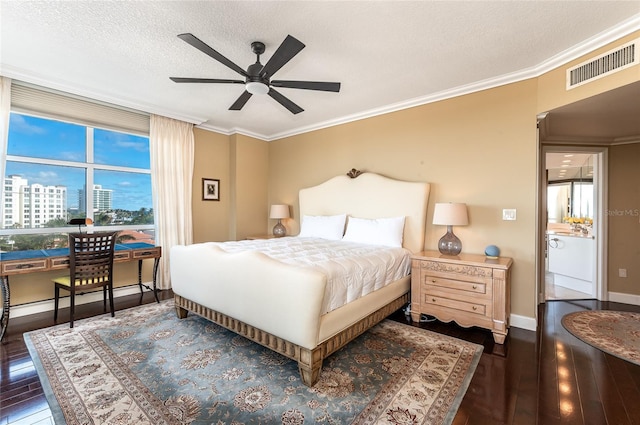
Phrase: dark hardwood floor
(546, 377)
(22, 401)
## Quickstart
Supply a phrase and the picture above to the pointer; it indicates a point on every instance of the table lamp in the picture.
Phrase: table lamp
(279, 212)
(450, 214)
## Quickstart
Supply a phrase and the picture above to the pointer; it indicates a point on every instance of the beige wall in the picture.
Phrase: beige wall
(211, 218)
(479, 149)
(241, 164)
(624, 218)
(250, 158)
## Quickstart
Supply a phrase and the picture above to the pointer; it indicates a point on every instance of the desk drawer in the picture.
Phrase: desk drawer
(23, 266)
(121, 256)
(60, 263)
(146, 253)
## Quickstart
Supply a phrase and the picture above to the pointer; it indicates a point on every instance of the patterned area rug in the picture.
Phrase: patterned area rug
(614, 332)
(147, 367)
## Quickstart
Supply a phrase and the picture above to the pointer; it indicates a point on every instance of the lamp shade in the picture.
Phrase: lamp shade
(279, 211)
(450, 214)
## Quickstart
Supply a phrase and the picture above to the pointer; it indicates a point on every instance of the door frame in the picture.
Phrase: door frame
(600, 228)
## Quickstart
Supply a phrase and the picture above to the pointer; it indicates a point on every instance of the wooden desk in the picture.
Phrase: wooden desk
(42, 260)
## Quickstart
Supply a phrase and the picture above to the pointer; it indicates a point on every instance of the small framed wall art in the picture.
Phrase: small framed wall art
(210, 189)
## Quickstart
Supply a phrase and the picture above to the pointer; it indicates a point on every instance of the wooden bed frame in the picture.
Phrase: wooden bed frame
(368, 196)
(309, 360)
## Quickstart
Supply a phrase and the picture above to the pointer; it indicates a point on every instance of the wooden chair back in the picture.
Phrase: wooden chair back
(91, 258)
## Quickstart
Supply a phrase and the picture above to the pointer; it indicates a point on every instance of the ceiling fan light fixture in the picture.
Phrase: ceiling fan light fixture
(255, 87)
(257, 78)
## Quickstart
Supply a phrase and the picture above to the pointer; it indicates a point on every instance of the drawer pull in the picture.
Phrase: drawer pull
(433, 300)
(474, 308)
(24, 266)
(475, 286)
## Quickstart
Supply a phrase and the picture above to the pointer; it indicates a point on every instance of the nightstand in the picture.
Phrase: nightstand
(470, 289)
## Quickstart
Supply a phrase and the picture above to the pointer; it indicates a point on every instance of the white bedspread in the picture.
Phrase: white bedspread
(352, 269)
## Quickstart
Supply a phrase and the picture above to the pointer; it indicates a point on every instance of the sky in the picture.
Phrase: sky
(43, 138)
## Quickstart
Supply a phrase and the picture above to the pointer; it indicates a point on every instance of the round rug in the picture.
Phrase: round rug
(614, 332)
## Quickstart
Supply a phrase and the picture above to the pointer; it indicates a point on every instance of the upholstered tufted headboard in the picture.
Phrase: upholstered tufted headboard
(372, 196)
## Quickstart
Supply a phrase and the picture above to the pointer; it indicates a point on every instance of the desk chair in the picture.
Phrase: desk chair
(90, 266)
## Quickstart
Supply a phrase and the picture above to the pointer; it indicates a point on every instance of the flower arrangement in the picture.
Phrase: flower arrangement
(578, 220)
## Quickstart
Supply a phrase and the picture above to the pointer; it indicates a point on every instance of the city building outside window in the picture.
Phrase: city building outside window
(58, 170)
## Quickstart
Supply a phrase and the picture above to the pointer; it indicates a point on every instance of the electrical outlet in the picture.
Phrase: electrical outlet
(622, 272)
(509, 214)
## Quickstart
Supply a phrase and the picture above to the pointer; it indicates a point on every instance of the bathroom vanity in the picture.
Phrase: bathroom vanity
(570, 259)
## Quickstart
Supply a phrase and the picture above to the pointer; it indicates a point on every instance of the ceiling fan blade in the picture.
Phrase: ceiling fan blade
(287, 50)
(295, 109)
(204, 48)
(239, 103)
(204, 80)
(307, 85)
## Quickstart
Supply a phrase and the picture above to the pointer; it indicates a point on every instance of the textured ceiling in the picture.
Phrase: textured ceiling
(387, 54)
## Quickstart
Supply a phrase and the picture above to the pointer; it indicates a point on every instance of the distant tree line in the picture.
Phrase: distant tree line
(60, 240)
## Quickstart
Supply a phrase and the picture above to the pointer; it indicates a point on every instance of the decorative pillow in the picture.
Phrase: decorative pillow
(323, 226)
(380, 231)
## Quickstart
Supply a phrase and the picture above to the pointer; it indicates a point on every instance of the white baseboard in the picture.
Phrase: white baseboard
(48, 305)
(523, 322)
(624, 298)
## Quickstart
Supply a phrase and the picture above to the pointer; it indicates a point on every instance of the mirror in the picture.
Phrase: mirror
(569, 187)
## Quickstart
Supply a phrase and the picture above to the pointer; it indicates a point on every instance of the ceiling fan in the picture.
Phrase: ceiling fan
(258, 77)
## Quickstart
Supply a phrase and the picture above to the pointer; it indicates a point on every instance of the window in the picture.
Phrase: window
(57, 170)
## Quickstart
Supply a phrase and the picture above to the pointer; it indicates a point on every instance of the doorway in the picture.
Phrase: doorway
(572, 234)
(570, 242)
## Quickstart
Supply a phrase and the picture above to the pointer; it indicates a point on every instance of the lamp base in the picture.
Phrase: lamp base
(449, 244)
(279, 230)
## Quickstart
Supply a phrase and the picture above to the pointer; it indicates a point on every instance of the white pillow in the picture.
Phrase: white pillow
(380, 231)
(323, 226)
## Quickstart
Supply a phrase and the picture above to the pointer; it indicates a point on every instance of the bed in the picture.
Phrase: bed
(280, 305)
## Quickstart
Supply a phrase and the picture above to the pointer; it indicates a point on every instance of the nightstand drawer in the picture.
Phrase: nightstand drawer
(456, 271)
(475, 308)
(455, 285)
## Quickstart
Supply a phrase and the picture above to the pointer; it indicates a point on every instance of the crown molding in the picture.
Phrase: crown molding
(587, 46)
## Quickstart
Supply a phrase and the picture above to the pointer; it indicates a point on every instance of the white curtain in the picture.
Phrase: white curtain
(172, 155)
(5, 109)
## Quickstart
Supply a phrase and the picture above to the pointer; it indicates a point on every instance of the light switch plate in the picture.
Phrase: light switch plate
(508, 214)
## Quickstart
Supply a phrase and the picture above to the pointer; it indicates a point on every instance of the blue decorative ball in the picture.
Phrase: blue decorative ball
(492, 251)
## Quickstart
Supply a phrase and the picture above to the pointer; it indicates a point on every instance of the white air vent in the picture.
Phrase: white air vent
(603, 65)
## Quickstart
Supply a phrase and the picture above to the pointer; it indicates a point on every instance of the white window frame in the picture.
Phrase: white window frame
(88, 166)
